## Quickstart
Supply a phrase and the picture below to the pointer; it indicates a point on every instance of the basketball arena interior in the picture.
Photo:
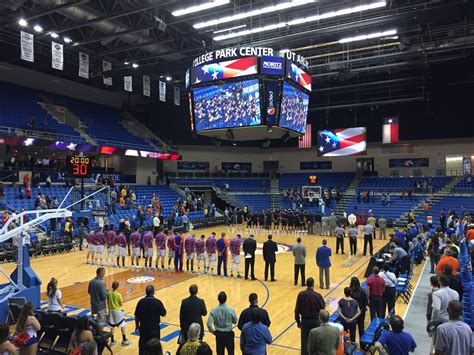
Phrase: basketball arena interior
(236, 176)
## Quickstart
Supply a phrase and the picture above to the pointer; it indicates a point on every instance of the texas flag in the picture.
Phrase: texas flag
(390, 130)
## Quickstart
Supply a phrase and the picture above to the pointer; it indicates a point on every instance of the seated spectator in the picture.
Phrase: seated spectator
(153, 347)
(6, 346)
(396, 341)
(54, 296)
(82, 337)
(192, 344)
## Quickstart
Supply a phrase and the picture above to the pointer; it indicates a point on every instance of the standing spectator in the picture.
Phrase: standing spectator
(245, 316)
(369, 231)
(324, 339)
(454, 337)
(299, 252)
(382, 227)
(255, 335)
(156, 223)
(220, 322)
(116, 315)
(340, 234)
(442, 220)
(269, 256)
(317, 222)
(434, 287)
(447, 259)
(308, 305)
(54, 296)
(352, 233)
(147, 318)
(98, 295)
(454, 282)
(193, 341)
(192, 310)
(249, 246)
(348, 309)
(441, 299)
(323, 261)
(388, 296)
(27, 327)
(396, 341)
(358, 293)
(433, 252)
(332, 224)
(374, 288)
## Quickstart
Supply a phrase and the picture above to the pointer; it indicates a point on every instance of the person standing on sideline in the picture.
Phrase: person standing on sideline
(323, 261)
(192, 310)
(454, 337)
(220, 322)
(234, 247)
(245, 316)
(269, 256)
(178, 251)
(255, 335)
(340, 234)
(358, 293)
(369, 231)
(317, 223)
(249, 246)
(98, 295)
(352, 233)
(308, 305)
(332, 224)
(116, 315)
(221, 246)
(374, 287)
(348, 309)
(147, 318)
(382, 227)
(299, 252)
(396, 341)
(324, 339)
(388, 296)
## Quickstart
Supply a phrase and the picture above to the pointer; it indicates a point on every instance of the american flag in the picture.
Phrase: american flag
(225, 70)
(300, 76)
(342, 142)
(390, 130)
(305, 140)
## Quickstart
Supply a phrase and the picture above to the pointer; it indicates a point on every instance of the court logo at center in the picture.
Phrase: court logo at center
(140, 279)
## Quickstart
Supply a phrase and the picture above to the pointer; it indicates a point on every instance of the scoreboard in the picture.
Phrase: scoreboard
(78, 167)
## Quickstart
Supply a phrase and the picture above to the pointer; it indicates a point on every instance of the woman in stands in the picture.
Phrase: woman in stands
(26, 330)
(82, 338)
(54, 296)
(358, 293)
(6, 347)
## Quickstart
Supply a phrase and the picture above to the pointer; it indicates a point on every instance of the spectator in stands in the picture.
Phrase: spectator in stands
(255, 335)
(28, 192)
(27, 327)
(433, 252)
(348, 309)
(435, 286)
(396, 341)
(6, 346)
(21, 192)
(192, 310)
(374, 287)
(441, 299)
(193, 341)
(26, 180)
(98, 295)
(324, 339)
(54, 296)
(454, 282)
(323, 261)
(220, 322)
(454, 337)
(82, 337)
(447, 259)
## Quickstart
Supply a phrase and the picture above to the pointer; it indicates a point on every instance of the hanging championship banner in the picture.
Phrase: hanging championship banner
(57, 56)
(177, 95)
(127, 83)
(83, 65)
(107, 81)
(162, 91)
(107, 66)
(27, 46)
(146, 85)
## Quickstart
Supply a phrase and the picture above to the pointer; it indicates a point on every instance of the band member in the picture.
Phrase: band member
(211, 253)
(99, 239)
(135, 241)
(189, 249)
(148, 245)
(110, 241)
(160, 241)
(121, 242)
(235, 255)
(199, 247)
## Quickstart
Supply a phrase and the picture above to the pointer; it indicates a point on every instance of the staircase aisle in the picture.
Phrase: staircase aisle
(347, 196)
(275, 193)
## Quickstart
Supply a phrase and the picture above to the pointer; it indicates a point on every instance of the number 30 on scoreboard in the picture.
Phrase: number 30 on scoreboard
(78, 167)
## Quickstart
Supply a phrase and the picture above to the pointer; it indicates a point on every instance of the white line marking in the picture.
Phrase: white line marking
(414, 290)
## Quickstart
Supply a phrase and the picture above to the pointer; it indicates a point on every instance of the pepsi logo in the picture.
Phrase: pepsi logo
(271, 110)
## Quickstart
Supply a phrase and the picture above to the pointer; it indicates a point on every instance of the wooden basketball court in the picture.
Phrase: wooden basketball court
(278, 298)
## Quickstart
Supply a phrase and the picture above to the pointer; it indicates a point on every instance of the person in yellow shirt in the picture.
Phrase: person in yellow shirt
(68, 228)
(190, 347)
(116, 315)
(123, 192)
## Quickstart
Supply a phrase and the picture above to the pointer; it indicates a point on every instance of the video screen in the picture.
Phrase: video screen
(341, 142)
(298, 75)
(228, 105)
(294, 109)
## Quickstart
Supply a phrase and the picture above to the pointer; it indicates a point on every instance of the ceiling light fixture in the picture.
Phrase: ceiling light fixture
(38, 28)
(257, 12)
(67, 40)
(135, 65)
(302, 20)
(169, 77)
(126, 63)
(22, 22)
(229, 29)
(53, 34)
(369, 36)
(197, 8)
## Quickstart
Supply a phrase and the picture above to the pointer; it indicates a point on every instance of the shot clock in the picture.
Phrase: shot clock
(78, 167)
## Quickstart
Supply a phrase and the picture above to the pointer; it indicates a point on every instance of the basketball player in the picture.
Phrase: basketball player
(199, 247)
(170, 245)
(160, 241)
(99, 239)
(148, 245)
(211, 253)
(135, 240)
(235, 255)
(110, 241)
(121, 242)
(189, 249)
(90, 247)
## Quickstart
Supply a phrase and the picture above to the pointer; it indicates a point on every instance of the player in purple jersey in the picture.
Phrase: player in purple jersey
(135, 241)
(234, 246)
(199, 247)
(110, 237)
(189, 249)
(121, 242)
(211, 253)
(90, 247)
(99, 241)
(160, 241)
(170, 245)
(148, 245)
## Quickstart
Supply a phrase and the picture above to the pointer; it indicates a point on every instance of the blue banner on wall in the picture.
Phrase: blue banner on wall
(193, 165)
(316, 165)
(228, 166)
(409, 163)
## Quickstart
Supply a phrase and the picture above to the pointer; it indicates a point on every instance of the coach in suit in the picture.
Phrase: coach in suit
(192, 310)
(269, 256)
(323, 261)
(249, 246)
(299, 252)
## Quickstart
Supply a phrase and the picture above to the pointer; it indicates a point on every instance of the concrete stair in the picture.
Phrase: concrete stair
(347, 196)
(275, 193)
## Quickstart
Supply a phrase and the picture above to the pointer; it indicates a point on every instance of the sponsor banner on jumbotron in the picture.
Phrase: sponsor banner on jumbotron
(409, 163)
(127, 83)
(146, 85)
(271, 107)
(57, 56)
(228, 166)
(316, 165)
(224, 70)
(27, 46)
(162, 91)
(272, 66)
(84, 65)
(193, 165)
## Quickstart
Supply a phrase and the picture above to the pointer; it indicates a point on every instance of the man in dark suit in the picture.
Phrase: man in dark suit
(246, 317)
(269, 256)
(192, 310)
(249, 246)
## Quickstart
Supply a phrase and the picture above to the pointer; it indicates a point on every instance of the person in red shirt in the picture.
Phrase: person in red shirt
(470, 233)
(26, 180)
(374, 288)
